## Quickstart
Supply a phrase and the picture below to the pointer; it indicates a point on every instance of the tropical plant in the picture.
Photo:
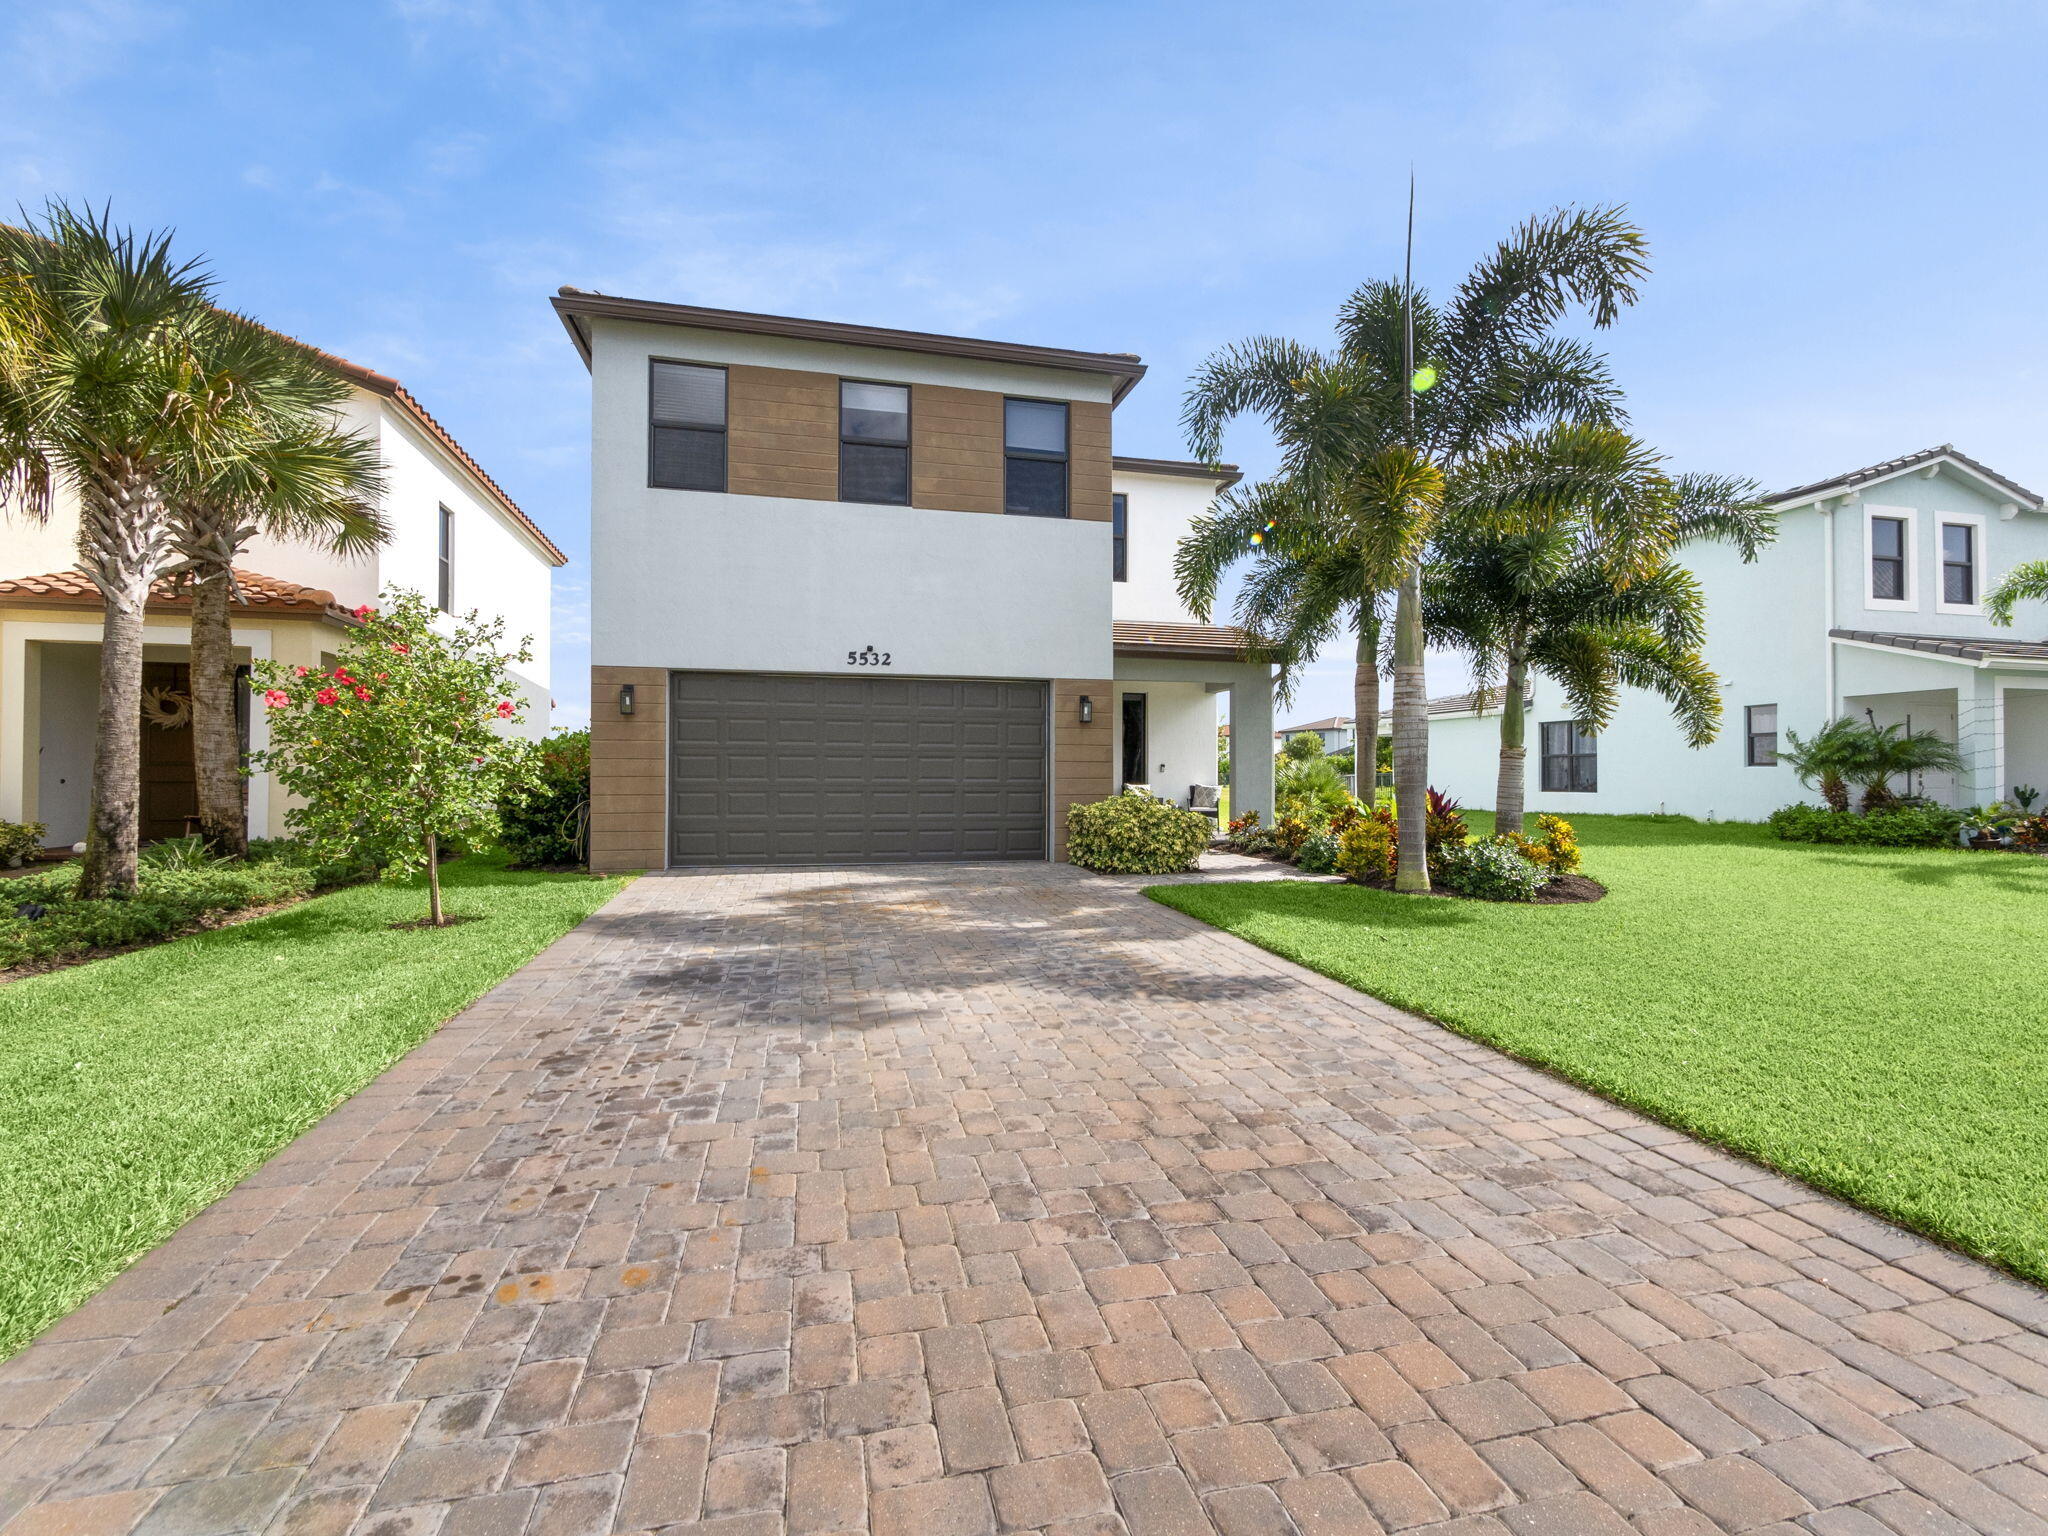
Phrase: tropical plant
(396, 751)
(280, 467)
(1345, 761)
(2024, 796)
(1367, 435)
(1556, 559)
(1495, 870)
(1310, 790)
(2025, 581)
(1901, 826)
(1825, 759)
(19, 841)
(1136, 834)
(1367, 850)
(102, 392)
(1302, 746)
(1887, 752)
(545, 819)
(1318, 854)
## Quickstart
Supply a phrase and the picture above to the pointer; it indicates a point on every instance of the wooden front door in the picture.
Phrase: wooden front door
(170, 795)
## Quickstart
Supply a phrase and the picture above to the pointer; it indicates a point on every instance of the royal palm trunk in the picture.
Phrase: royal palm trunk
(1365, 703)
(1512, 790)
(216, 738)
(1411, 737)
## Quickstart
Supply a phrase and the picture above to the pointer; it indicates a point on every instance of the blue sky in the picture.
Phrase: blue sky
(1845, 200)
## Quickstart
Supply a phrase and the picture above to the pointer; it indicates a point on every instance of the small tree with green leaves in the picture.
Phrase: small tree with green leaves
(1302, 746)
(397, 750)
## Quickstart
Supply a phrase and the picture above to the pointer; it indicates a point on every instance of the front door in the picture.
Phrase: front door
(170, 792)
(1134, 740)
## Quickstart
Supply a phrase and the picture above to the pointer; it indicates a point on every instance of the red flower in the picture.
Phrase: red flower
(341, 675)
(362, 693)
(299, 671)
(505, 709)
(326, 696)
(277, 698)
(362, 612)
(382, 676)
(402, 649)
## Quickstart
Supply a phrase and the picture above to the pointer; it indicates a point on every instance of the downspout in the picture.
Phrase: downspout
(1827, 546)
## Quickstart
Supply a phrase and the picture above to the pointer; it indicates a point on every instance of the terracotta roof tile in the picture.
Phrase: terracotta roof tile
(261, 591)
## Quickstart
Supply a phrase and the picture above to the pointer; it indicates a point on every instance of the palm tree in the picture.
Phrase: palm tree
(1826, 759)
(278, 467)
(1885, 752)
(1554, 556)
(1368, 432)
(100, 390)
(2027, 580)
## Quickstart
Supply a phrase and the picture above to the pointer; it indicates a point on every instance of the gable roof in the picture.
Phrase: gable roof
(1871, 474)
(408, 403)
(76, 588)
(1334, 723)
(577, 305)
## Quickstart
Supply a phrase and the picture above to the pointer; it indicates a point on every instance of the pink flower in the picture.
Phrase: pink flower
(299, 671)
(362, 612)
(504, 709)
(402, 649)
(326, 696)
(277, 698)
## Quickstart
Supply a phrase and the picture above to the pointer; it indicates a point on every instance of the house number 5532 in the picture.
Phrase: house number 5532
(867, 656)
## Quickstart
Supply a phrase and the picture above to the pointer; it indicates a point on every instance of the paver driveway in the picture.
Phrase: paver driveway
(936, 1201)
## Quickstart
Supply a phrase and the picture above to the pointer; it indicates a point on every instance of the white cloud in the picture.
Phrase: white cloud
(58, 47)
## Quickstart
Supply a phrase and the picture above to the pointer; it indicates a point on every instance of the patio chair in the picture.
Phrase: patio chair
(1204, 798)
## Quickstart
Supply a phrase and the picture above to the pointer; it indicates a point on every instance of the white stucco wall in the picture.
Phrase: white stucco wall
(1161, 509)
(1180, 735)
(693, 579)
(2026, 740)
(1922, 501)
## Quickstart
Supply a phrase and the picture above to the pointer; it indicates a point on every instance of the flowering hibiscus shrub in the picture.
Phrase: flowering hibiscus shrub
(396, 751)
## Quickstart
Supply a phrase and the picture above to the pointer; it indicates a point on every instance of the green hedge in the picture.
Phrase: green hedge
(1134, 834)
(1908, 826)
(42, 920)
(544, 823)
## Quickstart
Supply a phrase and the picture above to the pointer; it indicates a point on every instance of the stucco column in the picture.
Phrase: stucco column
(1979, 739)
(1251, 742)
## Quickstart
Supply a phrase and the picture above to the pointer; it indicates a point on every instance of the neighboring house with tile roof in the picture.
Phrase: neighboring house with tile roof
(1338, 733)
(1869, 604)
(456, 536)
(863, 595)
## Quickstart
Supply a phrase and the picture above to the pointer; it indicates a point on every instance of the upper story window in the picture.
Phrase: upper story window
(874, 442)
(686, 427)
(1959, 564)
(1035, 457)
(1570, 758)
(1760, 735)
(1119, 537)
(444, 594)
(1888, 539)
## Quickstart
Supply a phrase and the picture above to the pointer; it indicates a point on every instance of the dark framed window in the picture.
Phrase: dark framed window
(1760, 735)
(874, 442)
(686, 427)
(1570, 759)
(1035, 458)
(1888, 559)
(1958, 564)
(1119, 537)
(444, 597)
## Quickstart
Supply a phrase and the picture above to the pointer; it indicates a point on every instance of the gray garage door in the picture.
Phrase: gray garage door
(769, 769)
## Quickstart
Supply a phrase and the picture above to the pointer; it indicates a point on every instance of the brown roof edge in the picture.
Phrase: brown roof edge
(1226, 475)
(1814, 490)
(269, 595)
(574, 303)
(383, 384)
(1200, 642)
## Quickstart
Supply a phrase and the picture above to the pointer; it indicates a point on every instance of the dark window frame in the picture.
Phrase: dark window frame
(723, 429)
(1065, 457)
(1751, 736)
(1967, 567)
(444, 591)
(1561, 771)
(1879, 562)
(1119, 536)
(909, 404)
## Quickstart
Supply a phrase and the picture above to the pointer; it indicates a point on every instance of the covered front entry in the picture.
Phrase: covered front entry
(766, 768)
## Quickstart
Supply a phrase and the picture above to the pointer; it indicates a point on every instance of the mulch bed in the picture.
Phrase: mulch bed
(1562, 890)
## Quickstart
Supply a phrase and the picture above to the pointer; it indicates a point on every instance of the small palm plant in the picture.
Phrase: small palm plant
(1826, 759)
(1891, 751)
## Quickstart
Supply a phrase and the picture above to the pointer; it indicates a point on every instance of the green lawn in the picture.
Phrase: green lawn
(1873, 1021)
(136, 1089)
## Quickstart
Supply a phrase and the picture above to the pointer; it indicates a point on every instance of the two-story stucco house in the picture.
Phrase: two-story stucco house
(868, 595)
(456, 537)
(1869, 604)
(1338, 733)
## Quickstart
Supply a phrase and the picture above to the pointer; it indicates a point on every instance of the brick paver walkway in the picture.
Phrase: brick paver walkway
(944, 1201)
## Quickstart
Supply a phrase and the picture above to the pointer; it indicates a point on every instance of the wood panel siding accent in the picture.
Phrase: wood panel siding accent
(956, 448)
(1082, 760)
(1088, 455)
(782, 433)
(628, 770)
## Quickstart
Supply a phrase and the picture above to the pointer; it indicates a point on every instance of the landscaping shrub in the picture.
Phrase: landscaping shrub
(43, 920)
(19, 840)
(1318, 854)
(1494, 870)
(1288, 833)
(1560, 843)
(1309, 790)
(1443, 825)
(1366, 850)
(545, 819)
(1904, 826)
(1135, 834)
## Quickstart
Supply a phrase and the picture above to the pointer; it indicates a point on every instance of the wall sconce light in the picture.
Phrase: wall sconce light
(1087, 709)
(625, 698)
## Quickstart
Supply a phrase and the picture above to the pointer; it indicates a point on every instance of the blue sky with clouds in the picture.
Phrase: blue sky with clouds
(1846, 200)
